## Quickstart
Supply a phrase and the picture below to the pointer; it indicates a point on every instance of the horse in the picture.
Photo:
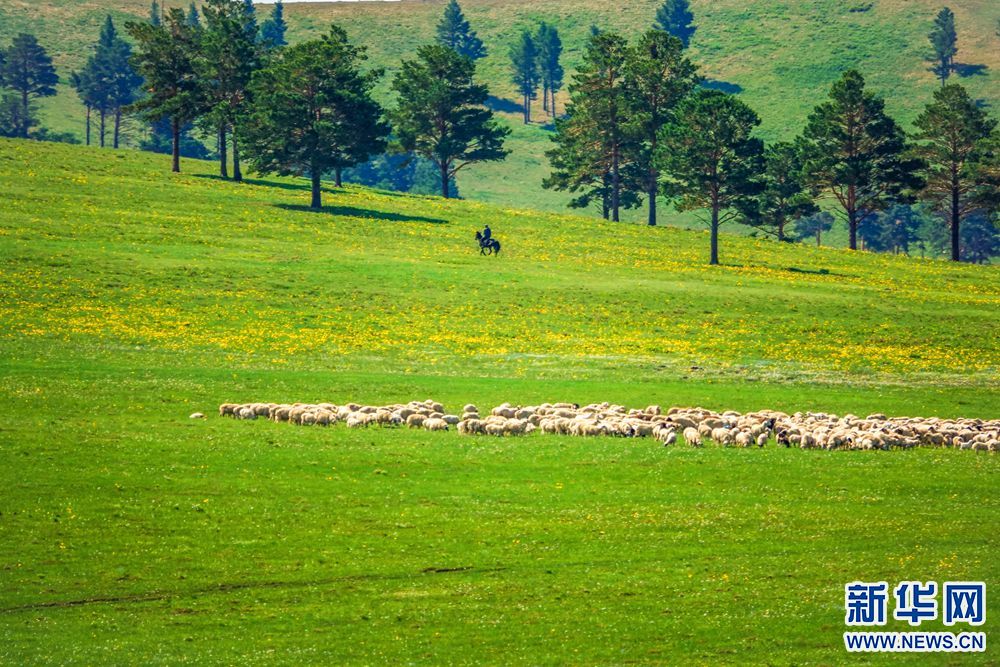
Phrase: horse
(487, 246)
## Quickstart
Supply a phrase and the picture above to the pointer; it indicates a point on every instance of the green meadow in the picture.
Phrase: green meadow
(131, 534)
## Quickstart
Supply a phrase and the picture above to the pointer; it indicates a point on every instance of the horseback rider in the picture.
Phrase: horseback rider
(487, 244)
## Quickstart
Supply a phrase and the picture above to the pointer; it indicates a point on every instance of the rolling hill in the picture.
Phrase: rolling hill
(384, 279)
(131, 297)
(781, 56)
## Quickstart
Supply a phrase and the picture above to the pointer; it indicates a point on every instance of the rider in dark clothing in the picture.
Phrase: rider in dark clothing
(487, 234)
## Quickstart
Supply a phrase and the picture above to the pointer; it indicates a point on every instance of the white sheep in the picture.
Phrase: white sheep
(692, 436)
(435, 424)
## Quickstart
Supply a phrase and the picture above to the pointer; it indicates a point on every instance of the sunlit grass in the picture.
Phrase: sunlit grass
(131, 298)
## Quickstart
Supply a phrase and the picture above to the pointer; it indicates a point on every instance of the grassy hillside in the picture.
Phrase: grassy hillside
(130, 297)
(782, 55)
(567, 298)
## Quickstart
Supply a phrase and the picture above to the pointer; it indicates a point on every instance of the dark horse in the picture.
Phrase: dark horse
(487, 246)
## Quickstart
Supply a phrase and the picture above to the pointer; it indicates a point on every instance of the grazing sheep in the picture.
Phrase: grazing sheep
(682, 421)
(515, 427)
(667, 436)
(470, 427)
(492, 428)
(722, 436)
(808, 430)
(435, 424)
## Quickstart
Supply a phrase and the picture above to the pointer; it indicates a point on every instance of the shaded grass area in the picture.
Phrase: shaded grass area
(131, 298)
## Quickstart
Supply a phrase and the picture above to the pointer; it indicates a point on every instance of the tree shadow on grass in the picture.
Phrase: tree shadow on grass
(283, 185)
(350, 211)
(815, 272)
(724, 86)
(965, 70)
(789, 269)
(502, 105)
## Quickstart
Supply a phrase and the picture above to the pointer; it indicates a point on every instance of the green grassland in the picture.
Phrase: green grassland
(782, 54)
(130, 534)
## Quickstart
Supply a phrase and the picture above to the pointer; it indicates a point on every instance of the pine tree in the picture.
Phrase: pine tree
(81, 83)
(675, 18)
(952, 135)
(104, 73)
(230, 53)
(193, 19)
(313, 110)
(549, 53)
(591, 141)
(28, 71)
(108, 82)
(12, 115)
(440, 114)
(524, 71)
(710, 159)
(784, 197)
(160, 139)
(368, 131)
(599, 141)
(981, 237)
(579, 165)
(813, 226)
(155, 14)
(944, 42)
(855, 152)
(272, 31)
(250, 15)
(166, 58)
(657, 76)
(893, 230)
(93, 87)
(123, 80)
(454, 32)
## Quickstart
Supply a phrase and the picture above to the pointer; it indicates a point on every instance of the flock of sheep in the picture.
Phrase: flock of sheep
(695, 426)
